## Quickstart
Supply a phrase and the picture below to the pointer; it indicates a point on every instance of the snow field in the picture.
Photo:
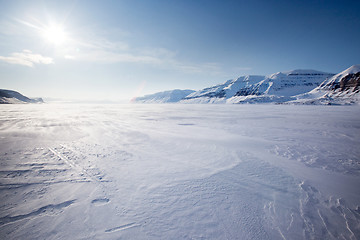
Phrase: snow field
(179, 172)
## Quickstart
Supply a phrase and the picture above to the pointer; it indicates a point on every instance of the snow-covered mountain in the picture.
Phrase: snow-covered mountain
(343, 88)
(278, 87)
(10, 96)
(297, 86)
(164, 97)
(219, 93)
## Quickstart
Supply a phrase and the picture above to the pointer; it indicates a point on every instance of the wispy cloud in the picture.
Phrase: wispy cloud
(239, 69)
(91, 44)
(106, 51)
(98, 45)
(26, 58)
(105, 56)
(100, 49)
(105, 46)
(212, 68)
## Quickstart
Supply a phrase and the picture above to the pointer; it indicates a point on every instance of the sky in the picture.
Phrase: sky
(117, 50)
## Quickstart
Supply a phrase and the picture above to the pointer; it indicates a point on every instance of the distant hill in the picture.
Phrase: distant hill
(171, 96)
(13, 97)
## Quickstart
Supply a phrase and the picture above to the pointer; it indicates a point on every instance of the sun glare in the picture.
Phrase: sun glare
(55, 34)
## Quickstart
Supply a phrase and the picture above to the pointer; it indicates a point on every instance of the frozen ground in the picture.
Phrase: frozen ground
(179, 172)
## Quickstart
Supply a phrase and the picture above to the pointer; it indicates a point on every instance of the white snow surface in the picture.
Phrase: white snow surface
(175, 171)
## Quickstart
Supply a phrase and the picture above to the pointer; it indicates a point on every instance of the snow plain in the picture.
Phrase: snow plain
(179, 172)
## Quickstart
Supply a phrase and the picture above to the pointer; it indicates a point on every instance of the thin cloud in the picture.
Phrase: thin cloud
(92, 45)
(103, 46)
(103, 50)
(212, 68)
(242, 68)
(26, 58)
(113, 57)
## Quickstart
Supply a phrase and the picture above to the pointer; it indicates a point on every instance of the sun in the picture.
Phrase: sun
(55, 34)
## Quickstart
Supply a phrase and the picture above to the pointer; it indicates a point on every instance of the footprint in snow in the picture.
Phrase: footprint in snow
(100, 201)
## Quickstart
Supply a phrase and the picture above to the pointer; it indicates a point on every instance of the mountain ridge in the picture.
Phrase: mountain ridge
(299, 86)
(342, 88)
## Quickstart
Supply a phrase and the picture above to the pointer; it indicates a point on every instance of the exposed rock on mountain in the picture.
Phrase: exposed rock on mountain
(278, 87)
(343, 88)
(297, 87)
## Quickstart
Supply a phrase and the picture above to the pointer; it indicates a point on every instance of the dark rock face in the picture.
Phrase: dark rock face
(247, 91)
(350, 81)
(305, 74)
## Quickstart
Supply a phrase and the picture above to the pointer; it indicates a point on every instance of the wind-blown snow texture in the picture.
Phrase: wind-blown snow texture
(179, 172)
(297, 86)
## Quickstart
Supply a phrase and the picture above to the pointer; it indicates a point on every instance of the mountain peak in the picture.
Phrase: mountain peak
(350, 70)
(338, 77)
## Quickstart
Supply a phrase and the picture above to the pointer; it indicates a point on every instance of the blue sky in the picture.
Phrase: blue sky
(115, 50)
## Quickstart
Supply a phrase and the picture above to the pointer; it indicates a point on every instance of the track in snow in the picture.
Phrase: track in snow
(173, 171)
